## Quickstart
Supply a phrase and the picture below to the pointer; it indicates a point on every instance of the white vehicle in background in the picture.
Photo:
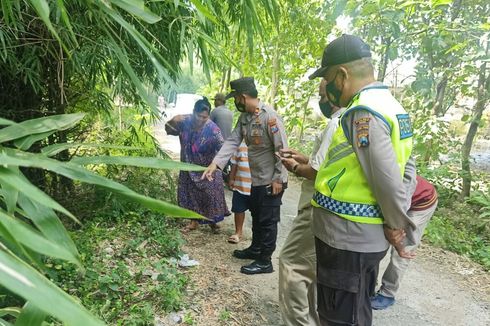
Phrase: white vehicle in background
(184, 104)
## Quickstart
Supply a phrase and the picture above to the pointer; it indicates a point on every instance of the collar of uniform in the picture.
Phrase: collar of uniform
(373, 85)
(337, 113)
(256, 113)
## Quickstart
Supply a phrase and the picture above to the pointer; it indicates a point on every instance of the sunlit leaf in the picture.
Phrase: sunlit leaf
(30, 238)
(76, 172)
(25, 281)
(138, 9)
(40, 126)
(19, 182)
(46, 220)
(146, 162)
(56, 148)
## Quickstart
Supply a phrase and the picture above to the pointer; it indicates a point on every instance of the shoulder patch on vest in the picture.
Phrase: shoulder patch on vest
(362, 130)
(405, 125)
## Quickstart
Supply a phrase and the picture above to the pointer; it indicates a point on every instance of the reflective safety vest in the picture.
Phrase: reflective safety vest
(341, 186)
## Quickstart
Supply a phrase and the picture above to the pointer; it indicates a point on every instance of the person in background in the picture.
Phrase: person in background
(200, 140)
(241, 183)
(263, 131)
(422, 207)
(222, 116)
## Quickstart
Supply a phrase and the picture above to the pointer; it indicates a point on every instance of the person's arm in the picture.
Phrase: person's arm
(300, 169)
(232, 175)
(277, 133)
(173, 126)
(229, 147)
(379, 163)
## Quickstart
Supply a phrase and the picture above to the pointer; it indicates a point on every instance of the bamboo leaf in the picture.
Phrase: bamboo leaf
(12, 311)
(137, 8)
(30, 238)
(46, 220)
(42, 9)
(39, 126)
(17, 181)
(13, 157)
(5, 122)
(4, 323)
(56, 148)
(146, 162)
(205, 11)
(10, 195)
(25, 281)
(26, 142)
(30, 316)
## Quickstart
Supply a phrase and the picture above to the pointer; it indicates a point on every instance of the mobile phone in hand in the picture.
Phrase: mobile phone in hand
(268, 190)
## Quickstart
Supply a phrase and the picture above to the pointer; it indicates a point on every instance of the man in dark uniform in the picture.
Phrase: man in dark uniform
(263, 131)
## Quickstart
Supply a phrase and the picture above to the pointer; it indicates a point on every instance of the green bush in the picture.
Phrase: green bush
(130, 274)
(456, 227)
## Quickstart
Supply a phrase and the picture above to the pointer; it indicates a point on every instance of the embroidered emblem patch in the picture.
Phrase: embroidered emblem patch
(405, 125)
(273, 125)
(362, 130)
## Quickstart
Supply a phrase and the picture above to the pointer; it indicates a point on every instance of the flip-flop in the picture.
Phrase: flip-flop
(235, 238)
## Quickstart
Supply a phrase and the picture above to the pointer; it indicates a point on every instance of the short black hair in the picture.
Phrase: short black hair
(202, 105)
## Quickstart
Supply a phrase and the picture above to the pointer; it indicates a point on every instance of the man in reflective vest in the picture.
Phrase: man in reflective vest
(359, 188)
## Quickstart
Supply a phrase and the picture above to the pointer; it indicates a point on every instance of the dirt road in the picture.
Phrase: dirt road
(439, 288)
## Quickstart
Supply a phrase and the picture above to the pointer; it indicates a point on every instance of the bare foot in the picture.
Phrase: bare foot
(190, 227)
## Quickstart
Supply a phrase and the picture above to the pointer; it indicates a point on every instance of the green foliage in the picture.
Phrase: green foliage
(483, 201)
(455, 228)
(30, 228)
(131, 274)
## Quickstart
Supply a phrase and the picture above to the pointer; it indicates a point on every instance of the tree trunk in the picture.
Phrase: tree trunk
(274, 76)
(222, 81)
(481, 103)
(440, 94)
(305, 108)
(227, 79)
(384, 63)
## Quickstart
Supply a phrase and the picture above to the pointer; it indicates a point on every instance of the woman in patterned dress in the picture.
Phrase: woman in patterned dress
(200, 140)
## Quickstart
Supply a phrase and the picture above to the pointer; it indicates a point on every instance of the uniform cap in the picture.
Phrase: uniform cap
(344, 49)
(240, 86)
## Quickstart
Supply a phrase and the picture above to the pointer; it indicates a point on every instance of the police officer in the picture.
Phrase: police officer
(263, 132)
(297, 260)
(359, 187)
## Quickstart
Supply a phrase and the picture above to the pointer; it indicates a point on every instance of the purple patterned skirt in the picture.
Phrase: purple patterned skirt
(202, 196)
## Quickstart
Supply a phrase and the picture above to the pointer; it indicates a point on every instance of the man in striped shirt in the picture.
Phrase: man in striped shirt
(241, 183)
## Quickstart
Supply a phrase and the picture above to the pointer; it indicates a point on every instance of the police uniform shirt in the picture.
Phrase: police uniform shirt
(378, 161)
(264, 134)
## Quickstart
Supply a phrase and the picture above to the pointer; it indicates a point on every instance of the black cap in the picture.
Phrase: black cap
(344, 49)
(241, 85)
